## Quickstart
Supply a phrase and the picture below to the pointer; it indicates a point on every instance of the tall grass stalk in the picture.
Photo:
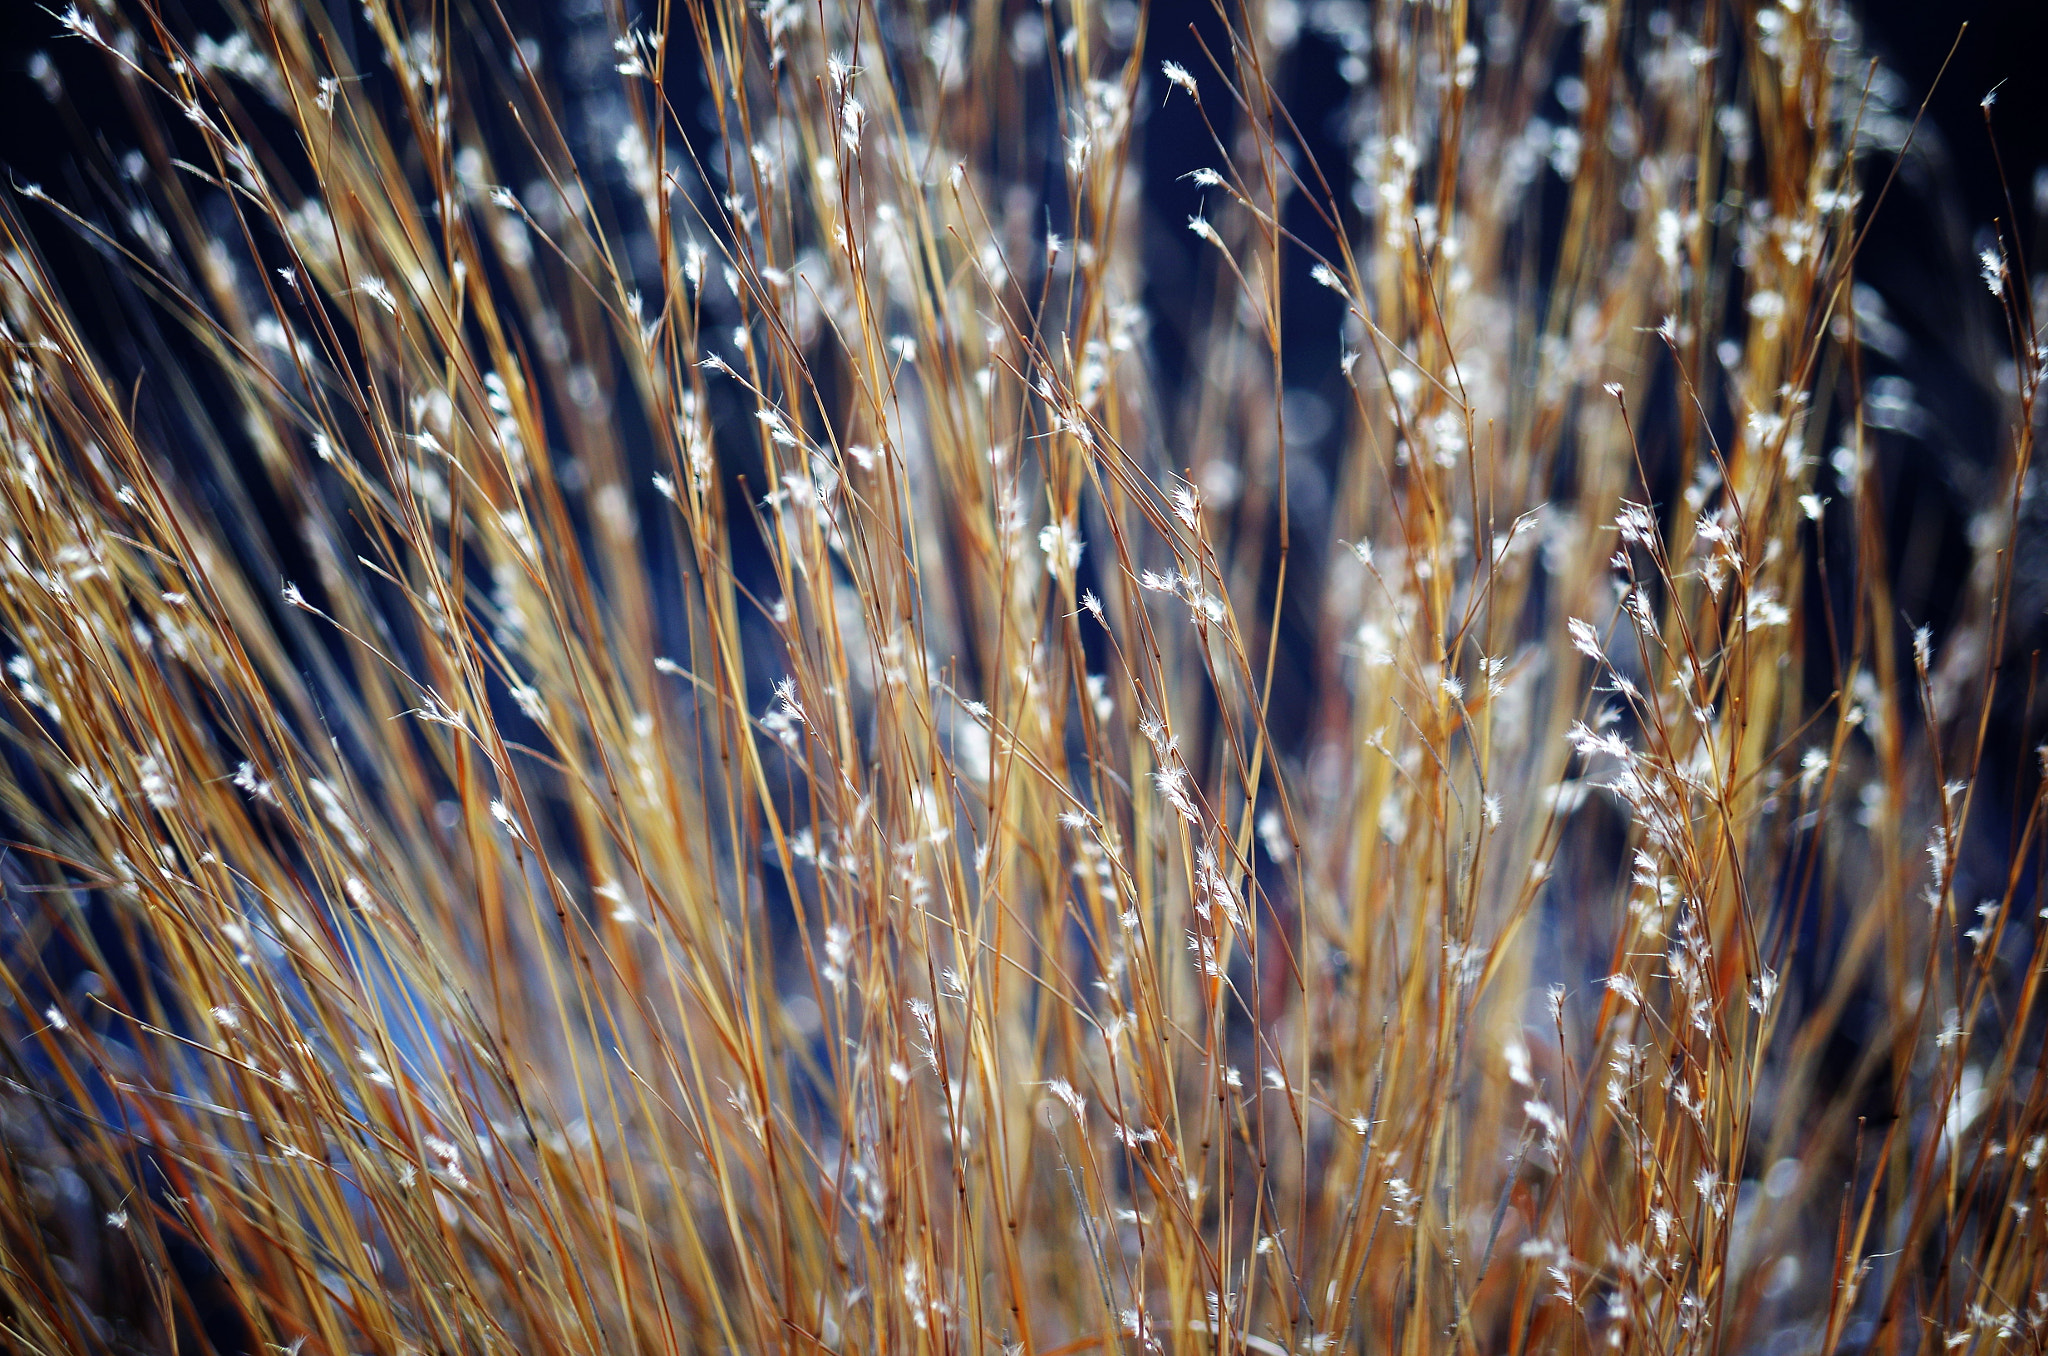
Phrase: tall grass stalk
(702, 748)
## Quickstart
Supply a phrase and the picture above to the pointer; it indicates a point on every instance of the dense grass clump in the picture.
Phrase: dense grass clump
(740, 695)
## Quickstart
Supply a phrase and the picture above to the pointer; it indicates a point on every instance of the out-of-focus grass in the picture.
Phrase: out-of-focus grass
(756, 822)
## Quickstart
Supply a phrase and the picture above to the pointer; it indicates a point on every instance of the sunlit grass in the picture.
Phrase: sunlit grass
(687, 744)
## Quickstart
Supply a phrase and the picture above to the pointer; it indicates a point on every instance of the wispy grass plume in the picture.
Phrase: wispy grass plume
(648, 715)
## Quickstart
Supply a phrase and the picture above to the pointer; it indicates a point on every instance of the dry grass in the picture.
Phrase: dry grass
(756, 821)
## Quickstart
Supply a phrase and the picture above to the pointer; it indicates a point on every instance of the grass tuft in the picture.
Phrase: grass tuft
(752, 712)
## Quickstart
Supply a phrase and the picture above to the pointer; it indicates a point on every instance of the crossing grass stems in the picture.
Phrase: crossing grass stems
(757, 819)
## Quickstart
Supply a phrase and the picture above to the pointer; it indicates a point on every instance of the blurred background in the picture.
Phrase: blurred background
(1936, 354)
(1937, 357)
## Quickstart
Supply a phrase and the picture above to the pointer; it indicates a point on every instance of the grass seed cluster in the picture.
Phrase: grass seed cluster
(700, 746)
